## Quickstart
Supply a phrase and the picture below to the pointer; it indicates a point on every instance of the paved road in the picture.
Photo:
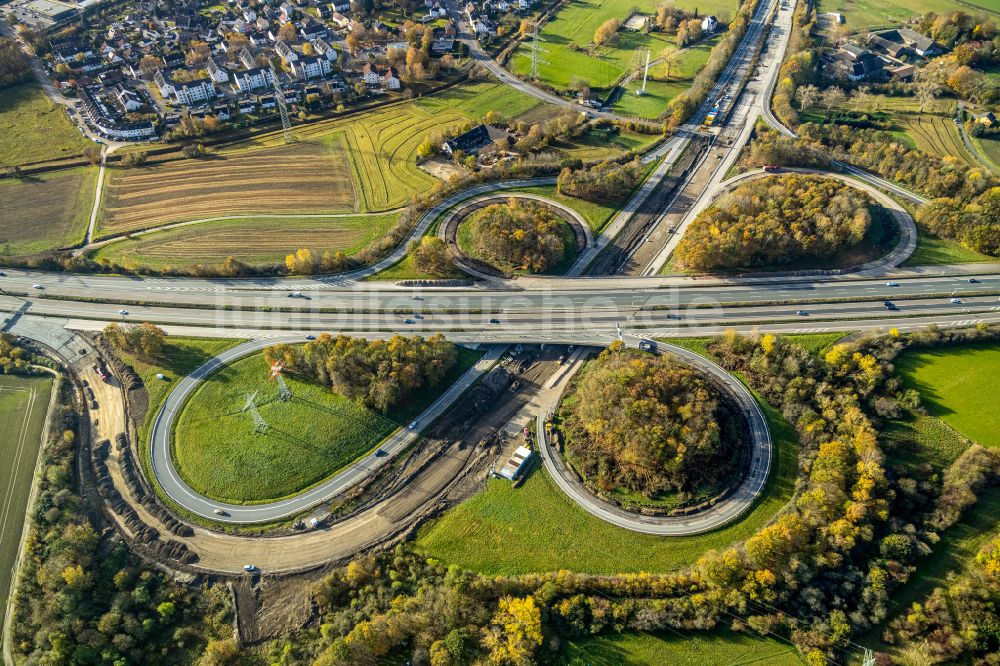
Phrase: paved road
(726, 510)
(179, 491)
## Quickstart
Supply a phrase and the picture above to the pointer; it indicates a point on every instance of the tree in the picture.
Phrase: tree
(808, 96)
(515, 632)
(287, 33)
(607, 33)
(92, 154)
(776, 220)
(149, 65)
(144, 339)
(833, 96)
(430, 255)
(518, 236)
(862, 98)
(670, 56)
(925, 91)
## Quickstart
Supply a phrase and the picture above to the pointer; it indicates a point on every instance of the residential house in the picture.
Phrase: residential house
(164, 83)
(285, 52)
(311, 67)
(218, 73)
(340, 20)
(195, 91)
(322, 47)
(127, 98)
(314, 30)
(247, 58)
(253, 79)
(709, 25)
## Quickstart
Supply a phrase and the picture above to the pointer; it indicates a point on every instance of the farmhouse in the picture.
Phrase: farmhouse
(908, 39)
(474, 140)
(709, 25)
(988, 119)
(855, 63)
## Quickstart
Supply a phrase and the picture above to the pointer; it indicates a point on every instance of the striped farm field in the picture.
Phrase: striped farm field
(300, 178)
(253, 241)
(45, 211)
(24, 403)
(936, 135)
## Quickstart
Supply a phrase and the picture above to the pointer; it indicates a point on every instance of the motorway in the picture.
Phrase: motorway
(570, 309)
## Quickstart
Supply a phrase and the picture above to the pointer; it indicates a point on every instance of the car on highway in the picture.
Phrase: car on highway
(310, 337)
(890, 306)
(249, 567)
(494, 321)
(381, 453)
(956, 300)
(801, 313)
(771, 168)
(295, 294)
(892, 284)
(37, 286)
(973, 281)
(2, 274)
(416, 298)
(219, 512)
(123, 312)
(413, 425)
(407, 321)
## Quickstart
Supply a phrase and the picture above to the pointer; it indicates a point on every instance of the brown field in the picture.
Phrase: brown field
(936, 135)
(300, 178)
(45, 212)
(255, 241)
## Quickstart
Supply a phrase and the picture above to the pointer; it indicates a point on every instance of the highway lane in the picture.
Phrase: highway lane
(179, 491)
(724, 511)
(611, 294)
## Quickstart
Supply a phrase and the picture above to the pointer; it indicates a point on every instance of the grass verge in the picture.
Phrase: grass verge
(24, 405)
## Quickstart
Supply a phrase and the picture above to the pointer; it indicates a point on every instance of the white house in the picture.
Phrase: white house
(218, 73)
(163, 83)
(194, 91)
(128, 98)
(709, 25)
(311, 67)
(322, 47)
(253, 79)
(340, 20)
(286, 52)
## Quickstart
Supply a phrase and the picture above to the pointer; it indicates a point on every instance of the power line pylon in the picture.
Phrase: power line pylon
(869, 658)
(259, 424)
(645, 75)
(284, 392)
(279, 97)
(536, 52)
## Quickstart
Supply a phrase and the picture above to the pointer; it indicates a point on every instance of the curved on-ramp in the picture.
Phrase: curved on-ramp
(721, 513)
(180, 492)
